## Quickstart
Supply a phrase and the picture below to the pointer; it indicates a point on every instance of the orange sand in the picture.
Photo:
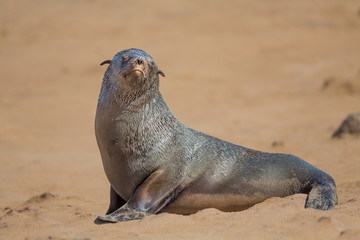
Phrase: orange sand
(249, 72)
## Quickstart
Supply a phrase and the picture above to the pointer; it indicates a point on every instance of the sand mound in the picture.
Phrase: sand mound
(342, 86)
(351, 126)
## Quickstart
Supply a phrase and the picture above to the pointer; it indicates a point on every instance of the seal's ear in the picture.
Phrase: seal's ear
(161, 73)
(106, 62)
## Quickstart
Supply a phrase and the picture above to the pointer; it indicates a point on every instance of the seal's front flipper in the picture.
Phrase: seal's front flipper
(125, 213)
(115, 201)
(151, 196)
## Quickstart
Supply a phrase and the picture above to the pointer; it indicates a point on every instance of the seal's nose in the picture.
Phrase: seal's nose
(139, 60)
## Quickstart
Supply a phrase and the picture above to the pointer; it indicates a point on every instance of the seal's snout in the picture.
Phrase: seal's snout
(135, 67)
(138, 64)
(139, 61)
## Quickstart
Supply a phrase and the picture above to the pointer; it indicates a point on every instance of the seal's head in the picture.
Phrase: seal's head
(134, 70)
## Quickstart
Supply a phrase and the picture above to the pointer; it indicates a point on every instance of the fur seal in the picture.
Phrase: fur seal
(155, 163)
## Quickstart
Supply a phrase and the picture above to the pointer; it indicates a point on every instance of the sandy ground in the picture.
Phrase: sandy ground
(249, 72)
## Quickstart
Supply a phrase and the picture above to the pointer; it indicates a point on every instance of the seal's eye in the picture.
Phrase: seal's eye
(124, 59)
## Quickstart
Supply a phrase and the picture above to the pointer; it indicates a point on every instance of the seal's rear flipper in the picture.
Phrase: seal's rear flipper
(322, 196)
(150, 197)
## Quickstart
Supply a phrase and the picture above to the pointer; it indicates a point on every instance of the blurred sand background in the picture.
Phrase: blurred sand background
(249, 72)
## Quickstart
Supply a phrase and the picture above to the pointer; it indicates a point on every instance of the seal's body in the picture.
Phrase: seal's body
(155, 163)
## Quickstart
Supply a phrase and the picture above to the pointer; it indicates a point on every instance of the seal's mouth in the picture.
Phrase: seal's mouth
(136, 72)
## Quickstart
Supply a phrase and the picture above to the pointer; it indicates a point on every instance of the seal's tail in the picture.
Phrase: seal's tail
(322, 195)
